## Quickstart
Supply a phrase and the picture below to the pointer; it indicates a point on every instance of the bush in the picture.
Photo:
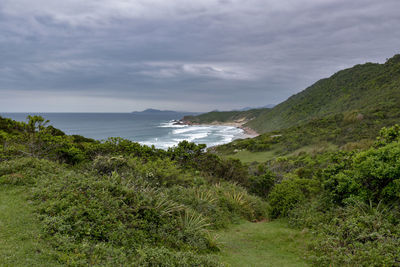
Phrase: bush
(369, 175)
(388, 135)
(261, 185)
(109, 164)
(222, 203)
(357, 234)
(71, 155)
(161, 172)
(289, 194)
(25, 171)
(164, 257)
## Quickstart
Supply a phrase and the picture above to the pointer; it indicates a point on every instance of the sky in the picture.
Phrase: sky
(191, 55)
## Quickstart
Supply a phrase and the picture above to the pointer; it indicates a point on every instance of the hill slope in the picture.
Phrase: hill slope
(365, 88)
(224, 116)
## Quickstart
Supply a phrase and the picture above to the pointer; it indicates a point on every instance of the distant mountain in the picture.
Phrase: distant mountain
(368, 89)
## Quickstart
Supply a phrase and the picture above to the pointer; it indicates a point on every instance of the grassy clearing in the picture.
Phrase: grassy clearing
(263, 244)
(20, 230)
(248, 157)
(316, 148)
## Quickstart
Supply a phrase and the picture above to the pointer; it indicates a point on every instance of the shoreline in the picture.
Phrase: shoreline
(248, 132)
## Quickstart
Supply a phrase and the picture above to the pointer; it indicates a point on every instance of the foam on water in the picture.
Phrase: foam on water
(171, 124)
(210, 135)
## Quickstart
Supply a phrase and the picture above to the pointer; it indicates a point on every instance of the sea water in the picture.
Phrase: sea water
(149, 129)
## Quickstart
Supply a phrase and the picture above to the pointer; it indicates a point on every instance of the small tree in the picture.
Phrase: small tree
(33, 128)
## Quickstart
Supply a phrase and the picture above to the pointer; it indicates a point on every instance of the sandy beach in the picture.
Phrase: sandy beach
(248, 132)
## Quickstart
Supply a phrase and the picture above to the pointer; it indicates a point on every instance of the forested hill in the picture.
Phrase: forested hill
(369, 88)
(225, 116)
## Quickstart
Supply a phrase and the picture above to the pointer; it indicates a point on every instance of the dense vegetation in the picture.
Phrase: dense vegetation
(347, 131)
(224, 116)
(117, 202)
(349, 200)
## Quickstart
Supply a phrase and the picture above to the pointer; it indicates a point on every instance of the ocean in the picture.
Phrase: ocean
(155, 129)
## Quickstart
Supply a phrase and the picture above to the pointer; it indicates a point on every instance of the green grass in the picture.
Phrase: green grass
(20, 243)
(263, 244)
(247, 156)
(315, 148)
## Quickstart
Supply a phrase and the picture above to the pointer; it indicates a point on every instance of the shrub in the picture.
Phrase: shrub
(25, 171)
(109, 164)
(289, 194)
(370, 175)
(388, 135)
(161, 172)
(71, 155)
(358, 234)
(164, 257)
(262, 184)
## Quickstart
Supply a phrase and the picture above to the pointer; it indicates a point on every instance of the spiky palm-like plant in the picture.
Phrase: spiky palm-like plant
(236, 197)
(166, 206)
(205, 195)
(194, 222)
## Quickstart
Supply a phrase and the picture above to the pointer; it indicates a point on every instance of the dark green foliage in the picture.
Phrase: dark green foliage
(186, 152)
(190, 155)
(120, 146)
(54, 131)
(388, 135)
(261, 185)
(289, 194)
(369, 175)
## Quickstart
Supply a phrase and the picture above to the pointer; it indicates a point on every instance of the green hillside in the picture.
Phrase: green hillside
(224, 116)
(347, 130)
(363, 88)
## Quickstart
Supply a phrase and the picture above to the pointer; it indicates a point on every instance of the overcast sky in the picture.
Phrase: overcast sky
(193, 55)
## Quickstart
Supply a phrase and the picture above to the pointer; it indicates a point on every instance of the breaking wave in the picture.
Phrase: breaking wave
(200, 134)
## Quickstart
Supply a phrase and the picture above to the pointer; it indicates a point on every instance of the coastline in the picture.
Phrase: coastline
(248, 132)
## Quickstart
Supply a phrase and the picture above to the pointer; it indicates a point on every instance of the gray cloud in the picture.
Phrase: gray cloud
(118, 55)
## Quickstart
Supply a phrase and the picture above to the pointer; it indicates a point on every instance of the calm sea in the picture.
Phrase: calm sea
(149, 129)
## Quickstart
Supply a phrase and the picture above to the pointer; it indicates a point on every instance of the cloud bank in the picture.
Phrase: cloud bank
(124, 55)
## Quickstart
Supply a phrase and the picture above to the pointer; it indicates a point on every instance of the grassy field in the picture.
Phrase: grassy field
(263, 244)
(248, 157)
(20, 231)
